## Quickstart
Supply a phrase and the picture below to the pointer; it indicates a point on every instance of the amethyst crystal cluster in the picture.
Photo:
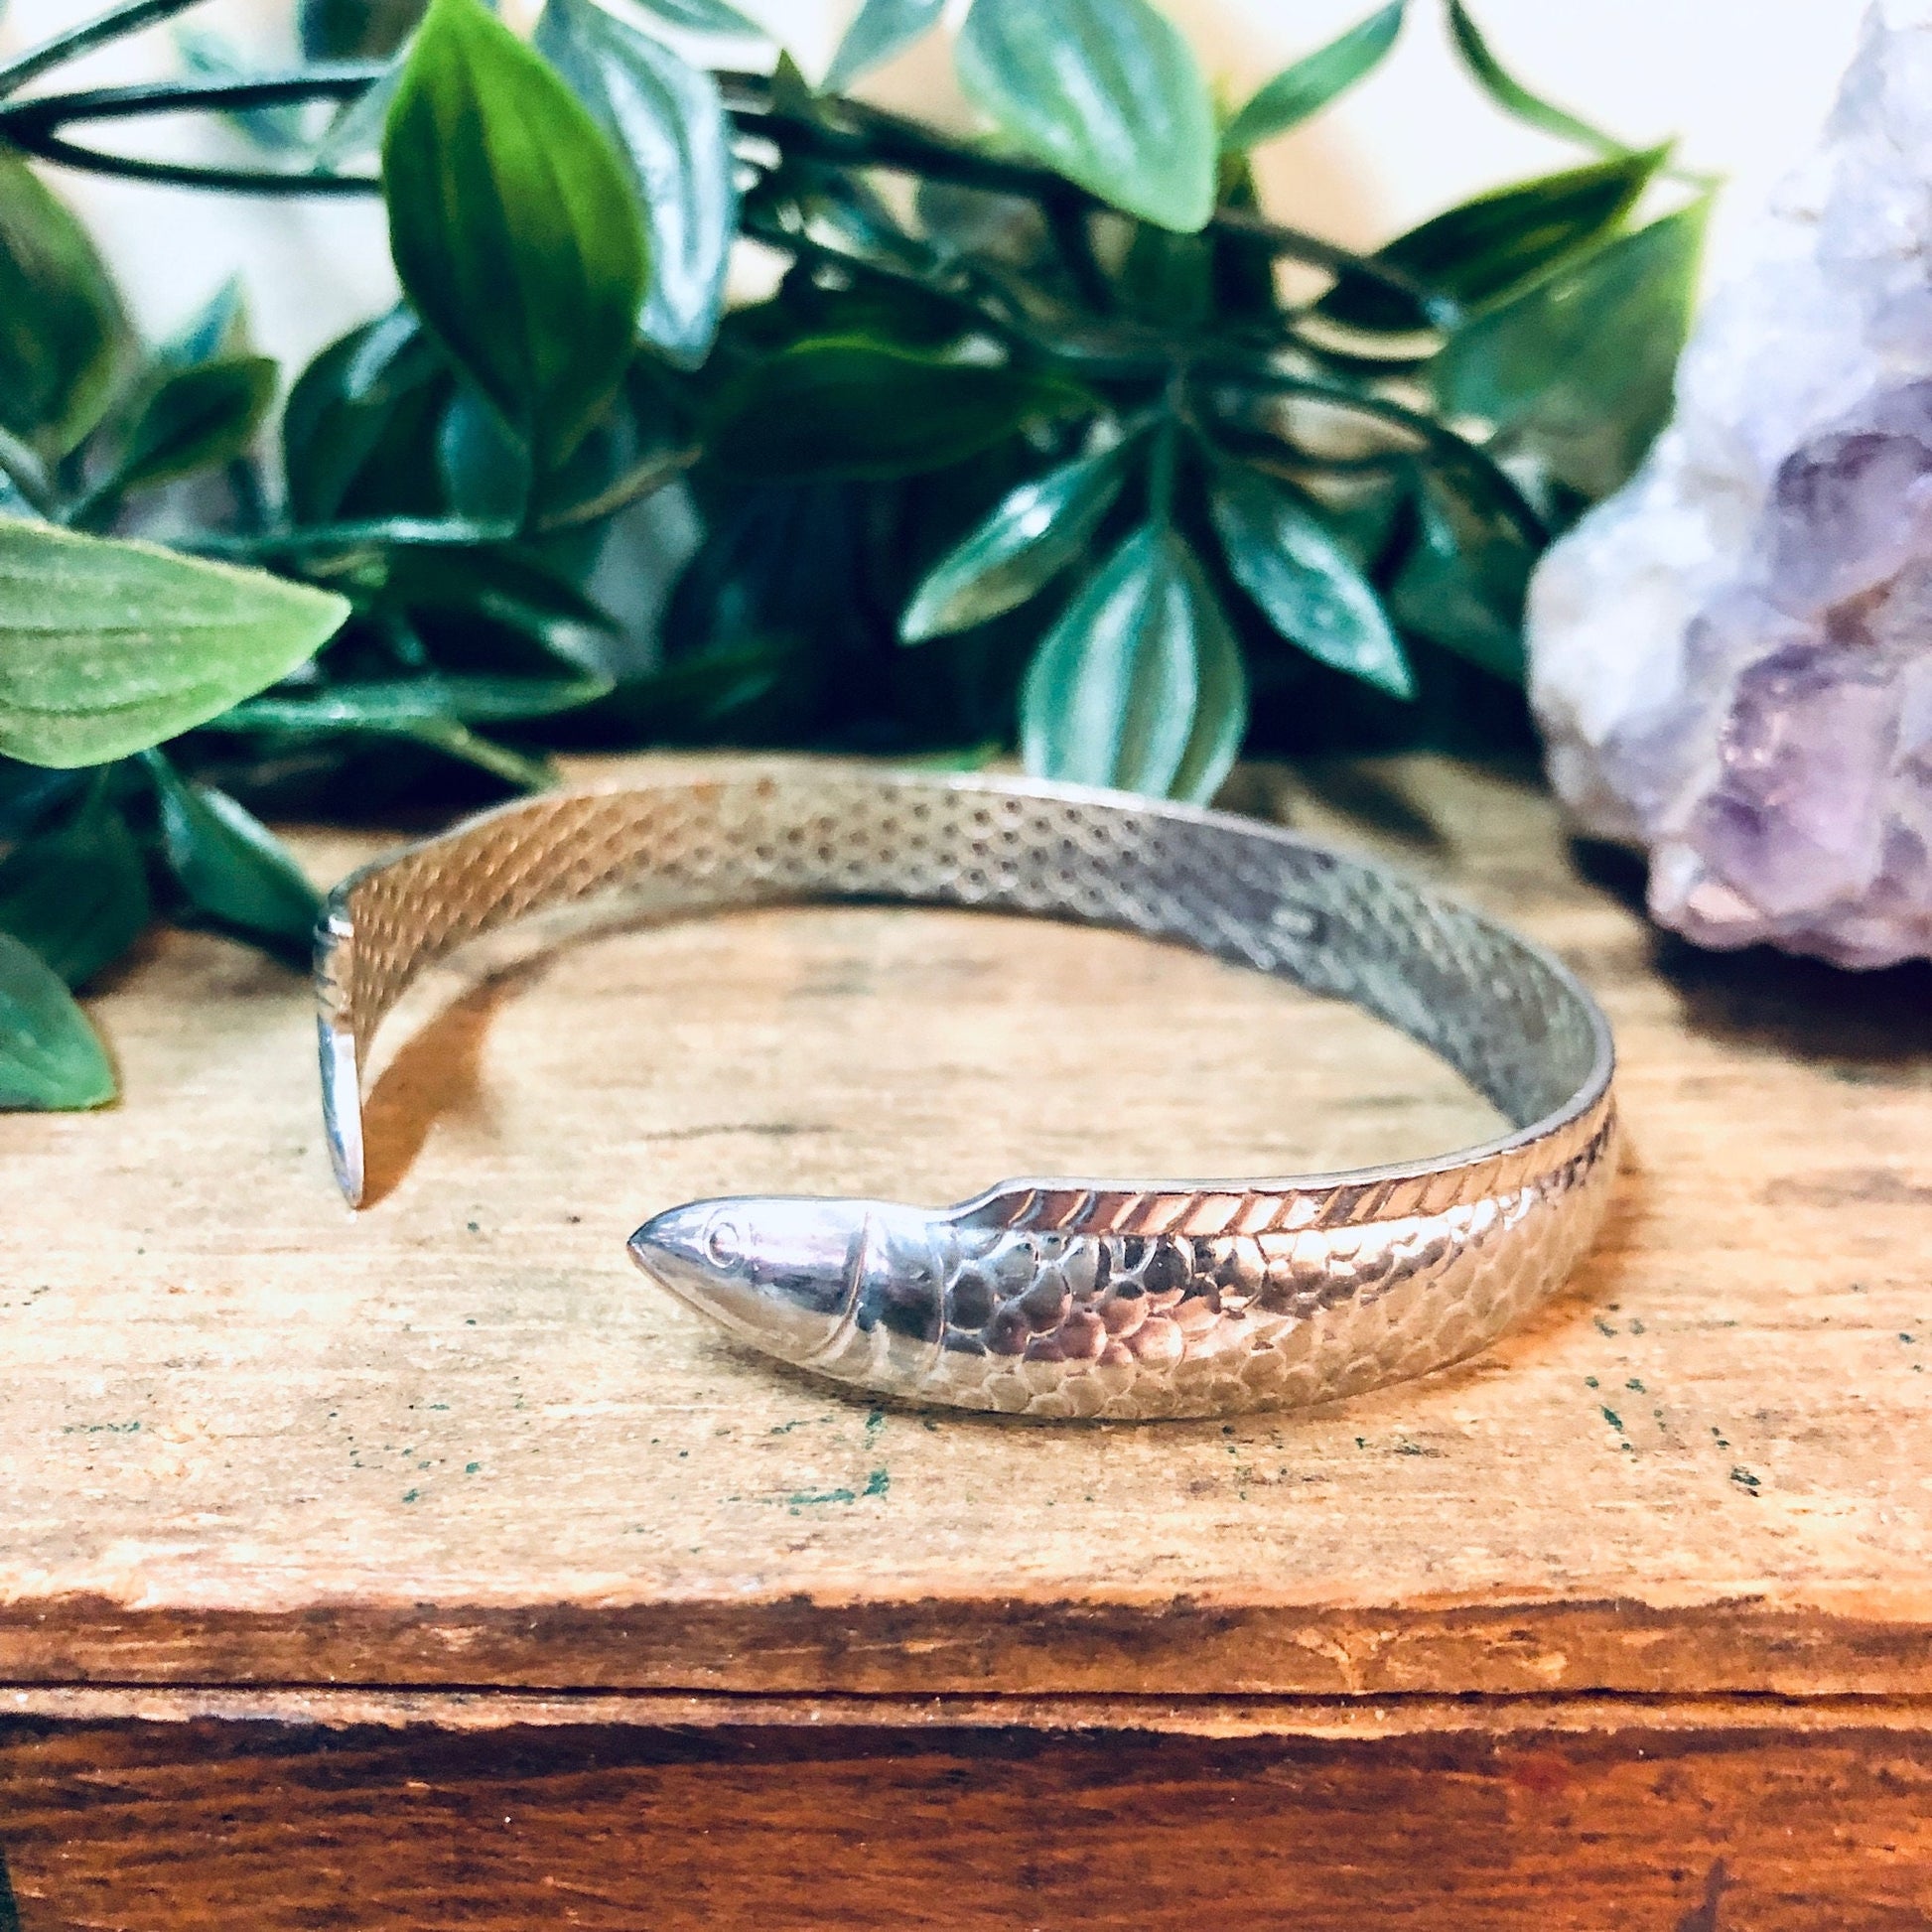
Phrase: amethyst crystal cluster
(1732, 659)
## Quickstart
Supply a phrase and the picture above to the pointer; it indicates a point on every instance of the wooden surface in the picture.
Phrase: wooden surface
(1508, 1825)
(249, 1439)
(429, 1568)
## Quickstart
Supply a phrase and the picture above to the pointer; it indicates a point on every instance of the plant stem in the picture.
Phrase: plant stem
(1163, 460)
(1066, 221)
(877, 139)
(34, 126)
(129, 18)
(1432, 434)
(871, 139)
(641, 480)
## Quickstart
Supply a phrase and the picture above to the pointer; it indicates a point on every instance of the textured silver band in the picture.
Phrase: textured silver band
(1061, 1298)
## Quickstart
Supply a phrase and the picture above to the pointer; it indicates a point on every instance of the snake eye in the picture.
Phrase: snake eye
(723, 1243)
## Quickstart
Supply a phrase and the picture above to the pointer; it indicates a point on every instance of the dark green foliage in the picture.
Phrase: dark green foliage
(1035, 404)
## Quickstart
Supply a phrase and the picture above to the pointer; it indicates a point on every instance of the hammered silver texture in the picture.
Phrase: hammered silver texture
(1061, 1298)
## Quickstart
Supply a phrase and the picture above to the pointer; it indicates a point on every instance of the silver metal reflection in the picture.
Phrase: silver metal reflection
(1062, 1298)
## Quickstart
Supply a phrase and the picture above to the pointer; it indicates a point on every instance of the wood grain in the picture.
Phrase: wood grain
(220, 1826)
(250, 1439)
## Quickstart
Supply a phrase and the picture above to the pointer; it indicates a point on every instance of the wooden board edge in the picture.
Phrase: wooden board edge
(1011, 1648)
(1334, 1719)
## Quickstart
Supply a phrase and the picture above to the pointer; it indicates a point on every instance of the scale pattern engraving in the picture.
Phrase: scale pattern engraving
(1079, 1298)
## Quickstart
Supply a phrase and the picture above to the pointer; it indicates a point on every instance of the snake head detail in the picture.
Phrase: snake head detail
(855, 1289)
(782, 1274)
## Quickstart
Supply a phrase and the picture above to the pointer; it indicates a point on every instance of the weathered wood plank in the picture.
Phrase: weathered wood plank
(266, 1827)
(249, 1438)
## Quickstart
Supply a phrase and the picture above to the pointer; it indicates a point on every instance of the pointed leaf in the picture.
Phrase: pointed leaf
(344, 404)
(1106, 91)
(1512, 96)
(231, 870)
(1220, 699)
(514, 226)
(197, 418)
(1030, 537)
(882, 29)
(1311, 84)
(394, 704)
(485, 470)
(702, 17)
(61, 330)
(1464, 583)
(50, 1059)
(840, 407)
(219, 328)
(77, 894)
(458, 742)
(1140, 684)
(1303, 577)
(355, 30)
(1577, 368)
(520, 588)
(106, 648)
(668, 119)
(1485, 248)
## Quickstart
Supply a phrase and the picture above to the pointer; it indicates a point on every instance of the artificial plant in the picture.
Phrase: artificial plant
(1044, 436)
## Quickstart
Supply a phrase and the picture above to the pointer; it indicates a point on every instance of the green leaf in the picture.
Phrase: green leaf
(219, 328)
(1313, 82)
(702, 17)
(1030, 537)
(1577, 368)
(667, 120)
(397, 704)
(325, 546)
(844, 407)
(1464, 583)
(30, 794)
(1497, 242)
(106, 648)
(697, 698)
(231, 870)
(458, 742)
(355, 30)
(880, 30)
(518, 587)
(77, 894)
(1106, 91)
(1169, 278)
(49, 1058)
(62, 329)
(1512, 96)
(1281, 553)
(197, 418)
(515, 228)
(341, 424)
(1140, 684)
(485, 470)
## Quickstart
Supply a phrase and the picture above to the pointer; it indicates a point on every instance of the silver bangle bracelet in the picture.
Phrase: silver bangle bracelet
(1061, 1298)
